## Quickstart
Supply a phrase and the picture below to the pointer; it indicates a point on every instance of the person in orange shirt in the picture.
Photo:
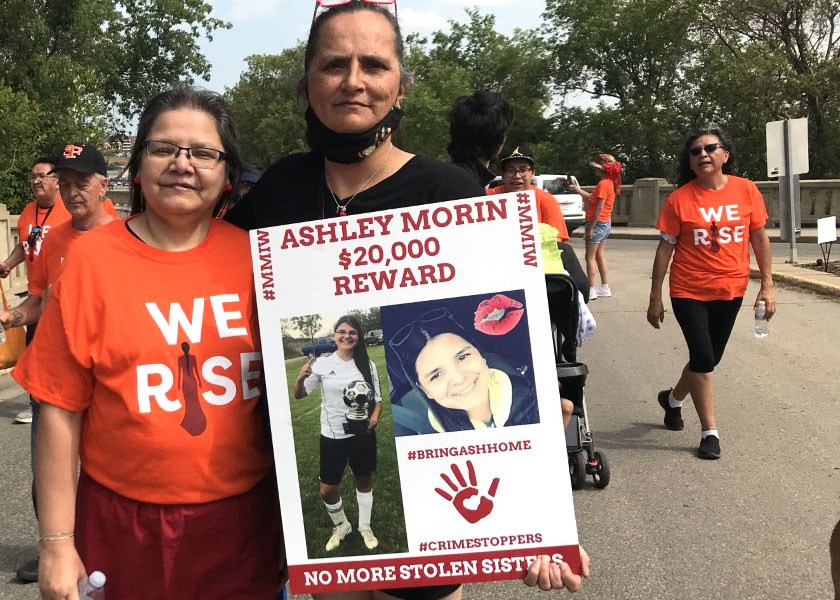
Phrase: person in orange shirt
(517, 175)
(34, 224)
(148, 365)
(599, 205)
(708, 224)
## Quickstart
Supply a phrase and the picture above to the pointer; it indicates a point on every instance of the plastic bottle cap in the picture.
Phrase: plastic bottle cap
(97, 579)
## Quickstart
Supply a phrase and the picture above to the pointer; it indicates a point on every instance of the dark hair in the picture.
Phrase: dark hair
(351, 7)
(360, 355)
(684, 171)
(192, 98)
(422, 332)
(478, 126)
(43, 160)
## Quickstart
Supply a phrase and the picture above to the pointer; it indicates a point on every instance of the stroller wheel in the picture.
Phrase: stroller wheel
(577, 470)
(602, 471)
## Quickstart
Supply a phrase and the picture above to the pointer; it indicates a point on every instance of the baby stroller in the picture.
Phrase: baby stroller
(584, 460)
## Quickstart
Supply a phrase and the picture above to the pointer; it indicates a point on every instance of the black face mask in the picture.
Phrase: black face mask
(349, 148)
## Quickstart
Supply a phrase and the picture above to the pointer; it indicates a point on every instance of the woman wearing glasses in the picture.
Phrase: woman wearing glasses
(465, 388)
(353, 83)
(707, 225)
(147, 366)
(349, 363)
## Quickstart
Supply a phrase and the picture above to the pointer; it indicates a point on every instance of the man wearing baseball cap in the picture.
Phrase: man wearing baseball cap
(517, 175)
(83, 182)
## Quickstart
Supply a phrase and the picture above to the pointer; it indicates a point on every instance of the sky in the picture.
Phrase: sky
(269, 26)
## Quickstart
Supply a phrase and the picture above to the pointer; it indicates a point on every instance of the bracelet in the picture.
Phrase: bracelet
(57, 537)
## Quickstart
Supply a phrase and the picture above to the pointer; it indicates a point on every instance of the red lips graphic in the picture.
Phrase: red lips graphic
(498, 315)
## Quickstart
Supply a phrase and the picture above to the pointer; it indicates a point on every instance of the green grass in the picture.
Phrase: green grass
(388, 520)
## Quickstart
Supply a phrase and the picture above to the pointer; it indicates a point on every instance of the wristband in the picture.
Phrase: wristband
(57, 537)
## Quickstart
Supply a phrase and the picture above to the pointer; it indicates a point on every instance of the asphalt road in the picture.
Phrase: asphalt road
(753, 525)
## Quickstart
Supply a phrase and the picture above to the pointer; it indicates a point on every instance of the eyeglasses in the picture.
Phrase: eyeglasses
(200, 158)
(708, 149)
(41, 177)
(511, 171)
(348, 332)
(328, 4)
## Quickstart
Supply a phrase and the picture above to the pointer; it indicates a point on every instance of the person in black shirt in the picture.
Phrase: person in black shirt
(478, 128)
(354, 82)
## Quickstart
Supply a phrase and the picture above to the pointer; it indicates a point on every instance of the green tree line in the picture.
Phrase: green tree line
(629, 77)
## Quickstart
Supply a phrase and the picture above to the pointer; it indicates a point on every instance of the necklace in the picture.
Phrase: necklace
(341, 209)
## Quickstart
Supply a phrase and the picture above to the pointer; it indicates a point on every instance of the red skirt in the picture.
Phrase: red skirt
(228, 549)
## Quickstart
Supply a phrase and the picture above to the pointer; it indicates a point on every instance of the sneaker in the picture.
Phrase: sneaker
(603, 291)
(28, 573)
(709, 448)
(339, 532)
(24, 418)
(593, 294)
(673, 416)
(367, 535)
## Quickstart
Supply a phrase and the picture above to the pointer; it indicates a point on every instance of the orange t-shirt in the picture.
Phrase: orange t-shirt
(548, 210)
(603, 189)
(162, 423)
(52, 256)
(109, 207)
(33, 215)
(712, 254)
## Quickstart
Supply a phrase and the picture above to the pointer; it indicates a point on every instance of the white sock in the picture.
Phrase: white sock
(336, 512)
(713, 432)
(673, 402)
(365, 500)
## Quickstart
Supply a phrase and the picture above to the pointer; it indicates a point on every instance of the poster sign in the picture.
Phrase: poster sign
(470, 459)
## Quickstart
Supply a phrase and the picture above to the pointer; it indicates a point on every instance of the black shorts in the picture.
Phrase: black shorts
(433, 592)
(706, 326)
(358, 450)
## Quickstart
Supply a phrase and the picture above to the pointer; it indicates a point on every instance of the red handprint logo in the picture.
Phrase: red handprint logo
(464, 490)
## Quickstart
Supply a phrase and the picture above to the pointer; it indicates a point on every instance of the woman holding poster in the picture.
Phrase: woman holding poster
(354, 82)
(337, 373)
(707, 224)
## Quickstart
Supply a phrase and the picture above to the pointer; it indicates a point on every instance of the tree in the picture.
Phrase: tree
(308, 325)
(269, 115)
(86, 66)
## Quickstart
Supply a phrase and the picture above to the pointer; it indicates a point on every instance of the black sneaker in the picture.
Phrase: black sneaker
(673, 416)
(28, 573)
(709, 448)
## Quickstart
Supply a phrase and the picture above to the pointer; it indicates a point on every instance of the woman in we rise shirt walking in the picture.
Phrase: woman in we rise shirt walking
(707, 224)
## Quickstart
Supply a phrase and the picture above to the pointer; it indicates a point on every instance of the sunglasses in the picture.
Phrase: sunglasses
(328, 4)
(708, 149)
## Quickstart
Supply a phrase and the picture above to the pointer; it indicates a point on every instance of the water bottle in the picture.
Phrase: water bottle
(2, 334)
(761, 324)
(92, 587)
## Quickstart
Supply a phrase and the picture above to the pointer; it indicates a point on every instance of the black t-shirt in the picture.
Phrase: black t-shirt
(294, 189)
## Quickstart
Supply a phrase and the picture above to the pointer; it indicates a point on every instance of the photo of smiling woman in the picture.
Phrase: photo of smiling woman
(448, 377)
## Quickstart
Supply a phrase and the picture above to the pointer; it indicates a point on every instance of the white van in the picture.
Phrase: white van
(571, 204)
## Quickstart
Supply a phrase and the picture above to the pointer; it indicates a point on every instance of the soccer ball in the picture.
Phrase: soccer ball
(358, 392)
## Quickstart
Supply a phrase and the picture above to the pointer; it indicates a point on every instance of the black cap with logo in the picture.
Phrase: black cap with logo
(83, 158)
(521, 152)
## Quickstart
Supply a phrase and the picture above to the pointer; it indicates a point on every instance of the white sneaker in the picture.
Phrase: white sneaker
(603, 291)
(339, 533)
(593, 294)
(367, 535)
(24, 417)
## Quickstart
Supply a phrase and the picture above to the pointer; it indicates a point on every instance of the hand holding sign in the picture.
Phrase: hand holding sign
(467, 489)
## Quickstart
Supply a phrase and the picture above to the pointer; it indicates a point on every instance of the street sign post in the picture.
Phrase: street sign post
(787, 157)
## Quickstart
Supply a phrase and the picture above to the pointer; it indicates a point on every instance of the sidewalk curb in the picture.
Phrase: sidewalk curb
(804, 282)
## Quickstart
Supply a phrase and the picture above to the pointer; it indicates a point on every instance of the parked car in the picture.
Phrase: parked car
(571, 204)
(323, 345)
(373, 337)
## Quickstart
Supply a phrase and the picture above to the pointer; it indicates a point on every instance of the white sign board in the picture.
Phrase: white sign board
(798, 144)
(455, 503)
(827, 230)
